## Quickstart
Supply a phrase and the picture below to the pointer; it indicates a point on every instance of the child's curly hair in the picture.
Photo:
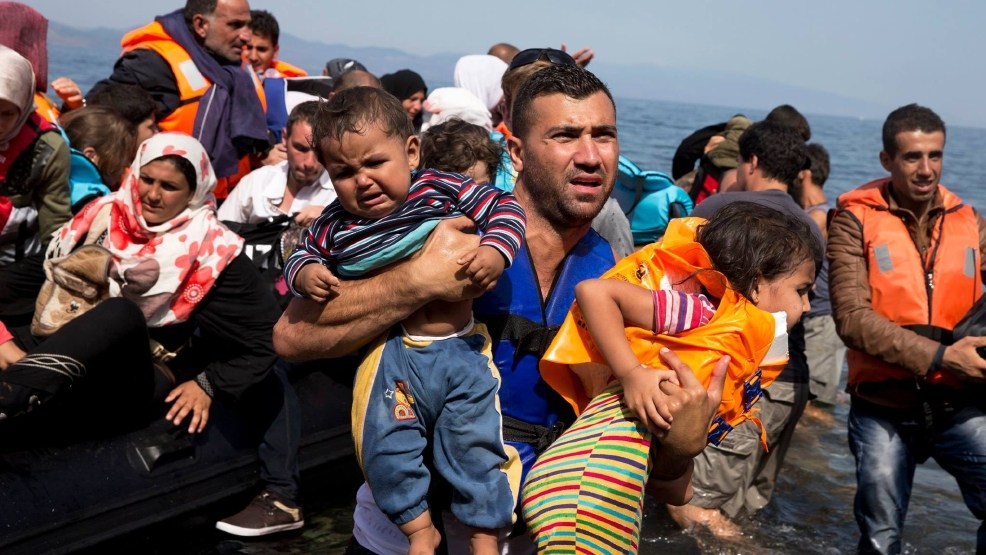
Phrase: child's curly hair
(455, 146)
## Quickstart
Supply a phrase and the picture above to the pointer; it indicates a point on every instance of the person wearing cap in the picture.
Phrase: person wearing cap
(262, 48)
(526, 303)
(335, 67)
(611, 222)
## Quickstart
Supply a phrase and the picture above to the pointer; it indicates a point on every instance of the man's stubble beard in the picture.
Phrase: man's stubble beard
(550, 201)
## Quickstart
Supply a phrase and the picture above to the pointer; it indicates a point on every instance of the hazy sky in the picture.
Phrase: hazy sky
(889, 51)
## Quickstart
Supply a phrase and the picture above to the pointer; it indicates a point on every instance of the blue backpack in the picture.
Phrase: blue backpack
(649, 199)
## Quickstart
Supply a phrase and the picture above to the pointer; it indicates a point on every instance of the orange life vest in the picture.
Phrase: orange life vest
(574, 368)
(502, 128)
(288, 70)
(192, 85)
(923, 294)
(46, 108)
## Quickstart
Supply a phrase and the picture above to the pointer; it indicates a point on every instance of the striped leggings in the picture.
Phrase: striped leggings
(587, 489)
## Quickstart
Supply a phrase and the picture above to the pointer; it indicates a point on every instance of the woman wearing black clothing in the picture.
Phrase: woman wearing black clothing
(178, 277)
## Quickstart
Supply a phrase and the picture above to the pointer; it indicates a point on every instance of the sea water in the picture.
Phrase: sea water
(811, 512)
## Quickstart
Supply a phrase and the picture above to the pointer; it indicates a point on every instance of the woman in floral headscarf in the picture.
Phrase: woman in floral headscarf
(172, 268)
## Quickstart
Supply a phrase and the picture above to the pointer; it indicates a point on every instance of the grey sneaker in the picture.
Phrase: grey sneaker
(264, 515)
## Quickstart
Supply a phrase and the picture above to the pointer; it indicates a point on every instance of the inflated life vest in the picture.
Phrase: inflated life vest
(288, 70)
(192, 85)
(522, 326)
(929, 294)
(25, 138)
(574, 368)
(46, 108)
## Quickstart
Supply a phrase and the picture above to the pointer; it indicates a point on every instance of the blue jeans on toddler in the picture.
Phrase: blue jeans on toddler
(889, 443)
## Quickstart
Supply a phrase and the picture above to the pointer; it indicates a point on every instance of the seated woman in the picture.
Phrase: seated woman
(176, 275)
(102, 143)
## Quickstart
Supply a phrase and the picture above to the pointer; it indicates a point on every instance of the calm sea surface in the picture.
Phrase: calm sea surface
(812, 508)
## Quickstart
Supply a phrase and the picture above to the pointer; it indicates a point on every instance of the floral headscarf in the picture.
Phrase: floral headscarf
(166, 269)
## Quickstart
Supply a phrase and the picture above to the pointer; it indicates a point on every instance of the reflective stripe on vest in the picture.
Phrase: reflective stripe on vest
(189, 80)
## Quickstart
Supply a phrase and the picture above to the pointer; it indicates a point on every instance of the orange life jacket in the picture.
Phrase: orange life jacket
(46, 108)
(574, 368)
(502, 128)
(288, 70)
(927, 295)
(192, 85)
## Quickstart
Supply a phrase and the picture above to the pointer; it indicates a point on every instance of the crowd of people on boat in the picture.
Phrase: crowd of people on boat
(545, 333)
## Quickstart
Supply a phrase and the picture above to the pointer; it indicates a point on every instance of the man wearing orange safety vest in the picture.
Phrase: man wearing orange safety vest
(189, 61)
(906, 266)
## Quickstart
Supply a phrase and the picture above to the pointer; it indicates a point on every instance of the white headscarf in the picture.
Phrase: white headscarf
(166, 269)
(454, 103)
(480, 74)
(16, 87)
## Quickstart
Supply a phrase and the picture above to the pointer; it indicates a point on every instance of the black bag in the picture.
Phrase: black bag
(268, 244)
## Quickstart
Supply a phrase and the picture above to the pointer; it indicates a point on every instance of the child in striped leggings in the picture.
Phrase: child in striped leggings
(730, 286)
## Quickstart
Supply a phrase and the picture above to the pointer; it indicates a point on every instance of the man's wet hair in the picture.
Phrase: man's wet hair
(355, 78)
(912, 117)
(356, 110)
(264, 24)
(198, 7)
(780, 152)
(571, 81)
(748, 242)
(132, 102)
(818, 156)
(456, 145)
(305, 112)
(788, 115)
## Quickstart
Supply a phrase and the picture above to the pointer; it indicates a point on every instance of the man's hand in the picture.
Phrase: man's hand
(307, 215)
(69, 91)
(277, 154)
(435, 268)
(691, 405)
(315, 282)
(582, 56)
(189, 398)
(366, 307)
(962, 360)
